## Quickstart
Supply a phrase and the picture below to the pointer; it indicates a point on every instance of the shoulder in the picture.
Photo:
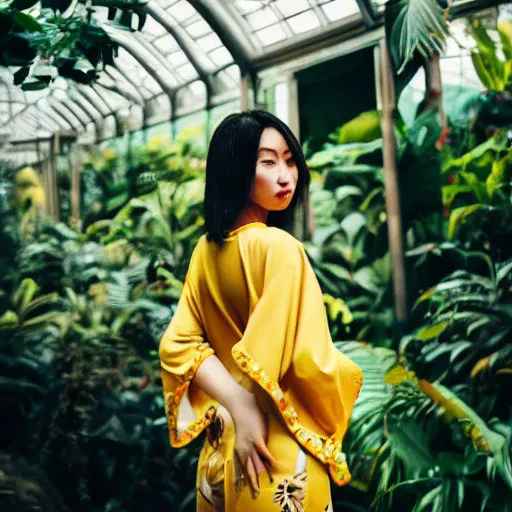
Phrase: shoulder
(198, 252)
(273, 240)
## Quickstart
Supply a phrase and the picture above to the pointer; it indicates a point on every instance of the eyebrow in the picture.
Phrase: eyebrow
(272, 150)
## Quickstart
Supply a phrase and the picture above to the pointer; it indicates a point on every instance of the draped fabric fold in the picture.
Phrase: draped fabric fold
(258, 303)
(287, 349)
(182, 350)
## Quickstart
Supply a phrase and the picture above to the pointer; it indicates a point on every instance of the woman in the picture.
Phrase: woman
(248, 354)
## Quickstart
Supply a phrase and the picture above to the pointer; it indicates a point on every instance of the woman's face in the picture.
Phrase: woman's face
(276, 174)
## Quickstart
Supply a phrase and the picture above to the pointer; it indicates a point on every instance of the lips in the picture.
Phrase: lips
(284, 194)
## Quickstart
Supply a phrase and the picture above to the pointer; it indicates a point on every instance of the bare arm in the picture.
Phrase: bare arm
(213, 378)
(251, 429)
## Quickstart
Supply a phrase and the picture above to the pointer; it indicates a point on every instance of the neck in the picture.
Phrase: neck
(252, 213)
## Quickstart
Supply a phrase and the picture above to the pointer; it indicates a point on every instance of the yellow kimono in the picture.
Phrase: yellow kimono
(256, 304)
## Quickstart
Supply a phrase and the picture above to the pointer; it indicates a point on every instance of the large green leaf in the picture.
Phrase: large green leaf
(26, 22)
(485, 439)
(418, 26)
(363, 128)
(459, 215)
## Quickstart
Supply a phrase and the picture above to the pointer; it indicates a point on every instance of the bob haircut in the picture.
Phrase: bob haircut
(230, 170)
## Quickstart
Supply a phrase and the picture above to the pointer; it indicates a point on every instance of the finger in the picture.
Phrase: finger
(259, 465)
(265, 453)
(253, 478)
(266, 422)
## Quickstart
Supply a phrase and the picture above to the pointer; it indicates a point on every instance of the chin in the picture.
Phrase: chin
(280, 208)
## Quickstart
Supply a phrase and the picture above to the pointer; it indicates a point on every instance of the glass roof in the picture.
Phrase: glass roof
(189, 55)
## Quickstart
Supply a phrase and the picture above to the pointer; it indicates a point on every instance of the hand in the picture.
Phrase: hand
(251, 441)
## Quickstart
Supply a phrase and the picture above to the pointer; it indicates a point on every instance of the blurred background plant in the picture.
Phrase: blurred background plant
(81, 317)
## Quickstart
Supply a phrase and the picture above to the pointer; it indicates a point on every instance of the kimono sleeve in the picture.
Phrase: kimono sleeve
(182, 350)
(287, 349)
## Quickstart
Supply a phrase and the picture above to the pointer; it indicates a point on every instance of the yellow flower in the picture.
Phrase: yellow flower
(109, 154)
(27, 176)
(157, 142)
(190, 132)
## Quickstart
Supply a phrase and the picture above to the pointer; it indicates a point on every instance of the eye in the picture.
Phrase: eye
(267, 162)
(290, 161)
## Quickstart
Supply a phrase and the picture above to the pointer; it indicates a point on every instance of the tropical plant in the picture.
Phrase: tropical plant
(415, 31)
(161, 204)
(349, 247)
(494, 72)
(61, 39)
(26, 321)
(477, 197)
(93, 393)
(415, 444)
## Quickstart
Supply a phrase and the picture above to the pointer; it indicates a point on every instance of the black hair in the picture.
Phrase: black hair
(231, 166)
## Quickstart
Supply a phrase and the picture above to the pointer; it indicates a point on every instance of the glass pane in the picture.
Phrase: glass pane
(17, 108)
(181, 11)
(233, 72)
(221, 56)
(187, 72)
(339, 9)
(210, 42)
(304, 22)
(198, 89)
(271, 35)
(152, 28)
(287, 8)
(177, 58)
(165, 44)
(198, 29)
(167, 3)
(151, 85)
(262, 19)
(248, 6)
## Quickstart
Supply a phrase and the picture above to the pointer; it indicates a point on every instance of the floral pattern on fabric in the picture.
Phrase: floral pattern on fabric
(291, 493)
(172, 400)
(323, 448)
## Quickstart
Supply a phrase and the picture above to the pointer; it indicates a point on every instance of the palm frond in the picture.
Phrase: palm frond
(419, 26)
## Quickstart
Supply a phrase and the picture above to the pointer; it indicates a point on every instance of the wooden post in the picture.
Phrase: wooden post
(75, 220)
(46, 187)
(53, 198)
(244, 93)
(394, 218)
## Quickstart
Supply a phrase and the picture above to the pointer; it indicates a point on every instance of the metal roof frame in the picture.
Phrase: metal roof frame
(232, 21)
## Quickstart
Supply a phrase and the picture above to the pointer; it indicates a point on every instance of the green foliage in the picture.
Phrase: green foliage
(415, 443)
(416, 26)
(494, 72)
(79, 333)
(415, 30)
(431, 428)
(62, 39)
(477, 197)
(349, 246)
(349, 249)
(157, 204)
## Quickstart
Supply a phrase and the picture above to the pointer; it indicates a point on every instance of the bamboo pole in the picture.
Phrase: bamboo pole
(394, 218)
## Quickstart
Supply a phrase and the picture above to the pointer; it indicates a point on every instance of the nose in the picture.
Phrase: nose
(285, 176)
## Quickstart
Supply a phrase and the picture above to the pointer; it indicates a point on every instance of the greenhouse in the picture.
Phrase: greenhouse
(403, 111)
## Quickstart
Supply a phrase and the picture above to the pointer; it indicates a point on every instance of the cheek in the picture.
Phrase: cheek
(263, 189)
(262, 183)
(295, 174)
